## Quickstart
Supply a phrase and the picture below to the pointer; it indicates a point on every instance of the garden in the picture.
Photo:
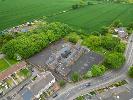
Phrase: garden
(6, 63)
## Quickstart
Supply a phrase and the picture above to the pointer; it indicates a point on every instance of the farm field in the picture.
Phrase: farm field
(93, 17)
(15, 12)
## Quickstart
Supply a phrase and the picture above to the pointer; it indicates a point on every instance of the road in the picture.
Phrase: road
(72, 92)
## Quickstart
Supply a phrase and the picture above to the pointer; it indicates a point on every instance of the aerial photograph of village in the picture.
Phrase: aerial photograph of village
(66, 49)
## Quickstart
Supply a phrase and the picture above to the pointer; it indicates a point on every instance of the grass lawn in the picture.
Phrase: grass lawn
(4, 65)
(24, 72)
(11, 61)
(15, 12)
(93, 17)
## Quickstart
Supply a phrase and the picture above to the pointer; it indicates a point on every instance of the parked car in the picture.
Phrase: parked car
(55, 95)
(88, 84)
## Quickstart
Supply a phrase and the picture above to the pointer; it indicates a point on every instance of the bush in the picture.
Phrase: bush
(73, 37)
(75, 77)
(130, 72)
(62, 83)
(76, 6)
(117, 23)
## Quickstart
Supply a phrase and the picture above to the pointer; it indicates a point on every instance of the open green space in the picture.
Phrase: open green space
(92, 17)
(6, 63)
(15, 12)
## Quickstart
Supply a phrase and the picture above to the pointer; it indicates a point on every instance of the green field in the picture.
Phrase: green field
(15, 12)
(93, 17)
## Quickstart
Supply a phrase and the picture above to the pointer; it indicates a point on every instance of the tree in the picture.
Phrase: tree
(73, 37)
(62, 83)
(98, 70)
(88, 75)
(114, 60)
(92, 41)
(75, 77)
(109, 42)
(120, 47)
(80, 98)
(27, 44)
(130, 72)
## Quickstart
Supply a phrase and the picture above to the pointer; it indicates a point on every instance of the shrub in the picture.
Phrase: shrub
(130, 72)
(75, 77)
(76, 6)
(62, 83)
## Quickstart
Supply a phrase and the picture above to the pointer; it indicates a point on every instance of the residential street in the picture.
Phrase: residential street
(71, 92)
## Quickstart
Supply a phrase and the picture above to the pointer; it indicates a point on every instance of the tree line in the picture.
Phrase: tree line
(33, 42)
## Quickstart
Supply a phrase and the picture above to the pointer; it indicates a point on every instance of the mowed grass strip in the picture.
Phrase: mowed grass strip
(15, 12)
(93, 17)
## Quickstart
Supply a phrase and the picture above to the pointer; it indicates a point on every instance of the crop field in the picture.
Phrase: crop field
(93, 17)
(15, 12)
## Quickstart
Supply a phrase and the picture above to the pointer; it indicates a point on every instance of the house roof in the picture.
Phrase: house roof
(121, 32)
(41, 82)
(11, 70)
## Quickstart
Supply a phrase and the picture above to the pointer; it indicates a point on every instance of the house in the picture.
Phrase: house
(41, 84)
(13, 69)
(122, 32)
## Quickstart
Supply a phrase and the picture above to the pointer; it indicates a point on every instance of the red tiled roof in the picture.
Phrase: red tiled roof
(12, 70)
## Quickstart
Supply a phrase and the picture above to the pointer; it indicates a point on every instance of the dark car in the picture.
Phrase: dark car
(55, 95)
(88, 84)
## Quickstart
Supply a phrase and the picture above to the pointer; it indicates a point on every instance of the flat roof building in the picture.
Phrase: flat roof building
(41, 84)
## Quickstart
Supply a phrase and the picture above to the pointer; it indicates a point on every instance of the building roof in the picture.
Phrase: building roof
(41, 82)
(63, 70)
(122, 32)
(11, 70)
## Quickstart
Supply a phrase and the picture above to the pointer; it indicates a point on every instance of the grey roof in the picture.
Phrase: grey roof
(85, 62)
(63, 70)
(41, 82)
(66, 53)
